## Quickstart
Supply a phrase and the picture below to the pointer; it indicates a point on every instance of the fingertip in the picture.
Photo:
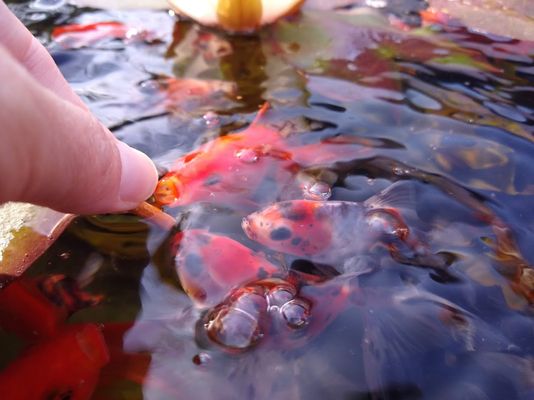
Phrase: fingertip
(139, 177)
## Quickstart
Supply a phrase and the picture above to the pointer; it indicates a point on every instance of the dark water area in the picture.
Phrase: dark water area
(423, 292)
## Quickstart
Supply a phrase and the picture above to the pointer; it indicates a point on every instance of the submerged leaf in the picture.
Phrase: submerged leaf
(462, 62)
(363, 46)
(510, 18)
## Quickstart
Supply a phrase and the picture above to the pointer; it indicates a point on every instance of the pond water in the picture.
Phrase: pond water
(423, 292)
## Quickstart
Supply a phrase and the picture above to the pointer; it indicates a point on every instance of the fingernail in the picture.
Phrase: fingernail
(138, 178)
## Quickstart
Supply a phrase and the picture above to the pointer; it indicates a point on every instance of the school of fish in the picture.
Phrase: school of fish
(247, 293)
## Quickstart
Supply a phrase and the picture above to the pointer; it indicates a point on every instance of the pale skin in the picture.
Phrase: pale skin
(53, 151)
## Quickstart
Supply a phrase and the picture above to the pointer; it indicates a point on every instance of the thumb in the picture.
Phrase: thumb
(56, 154)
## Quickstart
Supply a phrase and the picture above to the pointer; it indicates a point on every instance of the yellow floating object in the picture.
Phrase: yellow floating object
(236, 15)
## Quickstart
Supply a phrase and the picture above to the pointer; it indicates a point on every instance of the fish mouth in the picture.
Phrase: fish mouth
(246, 224)
(168, 191)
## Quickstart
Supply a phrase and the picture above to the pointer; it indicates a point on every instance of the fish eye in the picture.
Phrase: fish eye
(281, 233)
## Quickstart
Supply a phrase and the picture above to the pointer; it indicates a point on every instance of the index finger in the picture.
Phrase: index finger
(18, 40)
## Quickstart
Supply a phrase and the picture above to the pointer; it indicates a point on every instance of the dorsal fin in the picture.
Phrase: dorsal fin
(400, 194)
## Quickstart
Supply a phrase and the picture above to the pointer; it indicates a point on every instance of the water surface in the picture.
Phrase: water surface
(444, 108)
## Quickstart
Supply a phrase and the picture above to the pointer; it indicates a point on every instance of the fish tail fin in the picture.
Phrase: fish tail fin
(400, 194)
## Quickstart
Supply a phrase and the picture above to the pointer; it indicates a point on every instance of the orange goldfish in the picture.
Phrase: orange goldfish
(38, 308)
(76, 36)
(241, 168)
(66, 365)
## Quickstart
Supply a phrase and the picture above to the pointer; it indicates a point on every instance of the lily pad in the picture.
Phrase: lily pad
(320, 36)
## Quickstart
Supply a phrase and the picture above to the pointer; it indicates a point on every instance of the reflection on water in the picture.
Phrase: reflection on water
(422, 294)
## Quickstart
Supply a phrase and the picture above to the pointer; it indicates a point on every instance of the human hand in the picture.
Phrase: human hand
(53, 151)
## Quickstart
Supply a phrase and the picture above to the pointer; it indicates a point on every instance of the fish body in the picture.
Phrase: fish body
(210, 266)
(242, 168)
(186, 94)
(248, 299)
(76, 36)
(90, 33)
(66, 365)
(329, 232)
(225, 170)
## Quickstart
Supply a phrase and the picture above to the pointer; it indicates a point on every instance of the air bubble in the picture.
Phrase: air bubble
(280, 295)
(296, 313)
(247, 156)
(37, 16)
(376, 3)
(400, 171)
(317, 191)
(211, 119)
(201, 359)
(236, 324)
(234, 329)
(149, 86)
(47, 5)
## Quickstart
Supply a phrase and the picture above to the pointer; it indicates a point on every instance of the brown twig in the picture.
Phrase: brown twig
(155, 216)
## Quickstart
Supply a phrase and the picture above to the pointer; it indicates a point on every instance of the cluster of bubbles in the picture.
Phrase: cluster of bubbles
(253, 311)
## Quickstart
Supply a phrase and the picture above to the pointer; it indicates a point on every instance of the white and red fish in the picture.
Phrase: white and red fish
(337, 233)
(249, 298)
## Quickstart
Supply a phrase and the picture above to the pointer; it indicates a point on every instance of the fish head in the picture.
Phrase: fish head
(168, 190)
(224, 170)
(209, 266)
(297, 227)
